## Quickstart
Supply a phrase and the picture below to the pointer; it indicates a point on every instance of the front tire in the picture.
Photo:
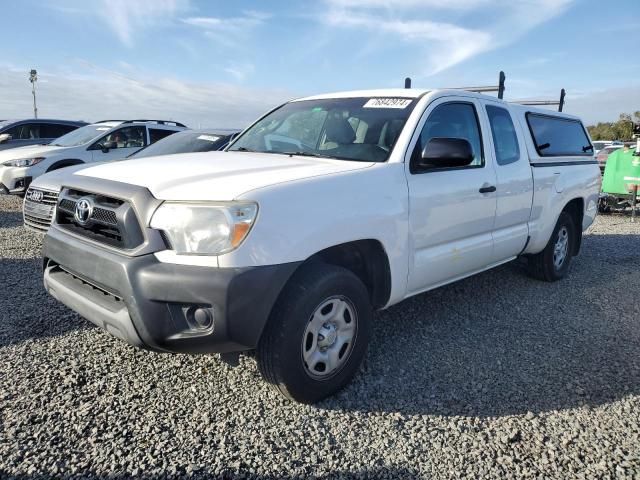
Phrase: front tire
(552, 263)
(317, 334)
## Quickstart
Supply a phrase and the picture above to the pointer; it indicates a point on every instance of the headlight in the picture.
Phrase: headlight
(23, 162)
(204, 229)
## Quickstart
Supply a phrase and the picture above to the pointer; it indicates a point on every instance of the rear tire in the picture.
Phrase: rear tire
(552, 263)
(317, 334)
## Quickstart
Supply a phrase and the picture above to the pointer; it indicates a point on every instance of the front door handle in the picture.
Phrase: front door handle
(487, 189)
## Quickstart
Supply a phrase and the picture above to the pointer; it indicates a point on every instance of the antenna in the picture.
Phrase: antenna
(407, 82)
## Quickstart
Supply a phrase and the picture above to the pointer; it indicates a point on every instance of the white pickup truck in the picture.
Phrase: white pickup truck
(325, 209)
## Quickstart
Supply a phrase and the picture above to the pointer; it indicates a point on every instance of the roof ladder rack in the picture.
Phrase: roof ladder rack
(559, 103)
(490, 88)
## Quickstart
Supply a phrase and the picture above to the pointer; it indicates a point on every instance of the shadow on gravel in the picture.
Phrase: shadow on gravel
(501, 343)
(391, 473)
(10, 219)
(28, 311)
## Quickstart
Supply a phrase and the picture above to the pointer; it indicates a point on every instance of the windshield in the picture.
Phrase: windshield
(81, 135)
(184, 142)
(363, 129)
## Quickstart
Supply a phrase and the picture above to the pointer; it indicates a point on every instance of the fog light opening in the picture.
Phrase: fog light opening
(200, 318)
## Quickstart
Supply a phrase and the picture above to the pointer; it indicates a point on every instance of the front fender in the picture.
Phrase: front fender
(300, 218)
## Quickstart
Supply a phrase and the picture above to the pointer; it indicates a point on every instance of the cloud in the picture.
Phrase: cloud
(444, 44)
(127, 18)
(240, 71)
(85, 92)
(456, 43)
(400, 4)
(228, 31)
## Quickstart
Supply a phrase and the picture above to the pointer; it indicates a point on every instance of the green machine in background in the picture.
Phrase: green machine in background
(621, 179)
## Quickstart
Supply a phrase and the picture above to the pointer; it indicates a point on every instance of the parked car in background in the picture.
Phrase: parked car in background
(19, 133)
(603, 154)
(42, 194)
(600, 144)
(197, 140)
(98, 142)
(324, 210)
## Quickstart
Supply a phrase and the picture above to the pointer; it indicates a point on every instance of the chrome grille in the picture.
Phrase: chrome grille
(38, 209)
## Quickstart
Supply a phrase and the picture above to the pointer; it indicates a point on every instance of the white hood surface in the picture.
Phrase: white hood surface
(219, 176)
(29, 151)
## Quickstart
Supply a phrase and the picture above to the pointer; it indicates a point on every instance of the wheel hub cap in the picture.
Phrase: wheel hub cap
(329, 337)
(561, 247)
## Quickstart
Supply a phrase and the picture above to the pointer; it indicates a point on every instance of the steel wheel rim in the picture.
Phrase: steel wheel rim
(329, 337)
(561, 247)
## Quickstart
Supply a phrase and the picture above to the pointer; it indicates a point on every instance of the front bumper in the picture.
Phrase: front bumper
(150, 304)
(15, 180)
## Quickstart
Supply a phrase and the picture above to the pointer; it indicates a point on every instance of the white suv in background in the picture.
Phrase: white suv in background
(99, 142)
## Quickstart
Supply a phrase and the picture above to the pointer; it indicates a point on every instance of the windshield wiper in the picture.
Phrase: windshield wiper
(242, 149)
(307, 154)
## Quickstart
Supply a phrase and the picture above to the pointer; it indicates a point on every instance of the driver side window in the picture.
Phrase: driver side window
(127, 137)
(453, 120)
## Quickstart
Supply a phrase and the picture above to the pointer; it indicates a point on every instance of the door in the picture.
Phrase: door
(451, 220)
(119, 144)
(514, 183)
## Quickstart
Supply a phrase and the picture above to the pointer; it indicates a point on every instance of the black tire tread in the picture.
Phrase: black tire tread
(269, 361)
(540, 266)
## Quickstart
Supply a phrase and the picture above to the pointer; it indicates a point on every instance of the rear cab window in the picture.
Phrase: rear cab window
(555, 136)
(503, 132)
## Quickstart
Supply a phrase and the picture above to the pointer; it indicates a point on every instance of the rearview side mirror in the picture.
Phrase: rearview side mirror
(4, 137)
(442, 152)
(106, 146)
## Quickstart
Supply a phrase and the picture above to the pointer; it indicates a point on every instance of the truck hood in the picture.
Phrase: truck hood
(29, 151)
(219, 176)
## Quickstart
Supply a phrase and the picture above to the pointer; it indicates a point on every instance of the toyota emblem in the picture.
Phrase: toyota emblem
(83, 211)
(35, 195)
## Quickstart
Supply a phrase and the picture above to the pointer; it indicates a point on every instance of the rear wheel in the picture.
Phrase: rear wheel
(553, 262)
(318, 333)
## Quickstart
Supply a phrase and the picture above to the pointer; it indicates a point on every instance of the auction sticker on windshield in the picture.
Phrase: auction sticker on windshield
(210, 138)
(387, 103)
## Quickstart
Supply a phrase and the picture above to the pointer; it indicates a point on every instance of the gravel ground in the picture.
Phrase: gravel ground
(497, 376)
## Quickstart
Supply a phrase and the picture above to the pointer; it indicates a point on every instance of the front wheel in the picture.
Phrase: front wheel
(318, 333)
(552, 263)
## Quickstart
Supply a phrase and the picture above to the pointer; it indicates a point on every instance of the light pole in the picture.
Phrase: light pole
(33, 78)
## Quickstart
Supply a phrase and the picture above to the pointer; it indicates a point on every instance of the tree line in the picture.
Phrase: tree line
(622, 129)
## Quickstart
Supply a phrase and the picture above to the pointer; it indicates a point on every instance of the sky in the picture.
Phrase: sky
(222, 64)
